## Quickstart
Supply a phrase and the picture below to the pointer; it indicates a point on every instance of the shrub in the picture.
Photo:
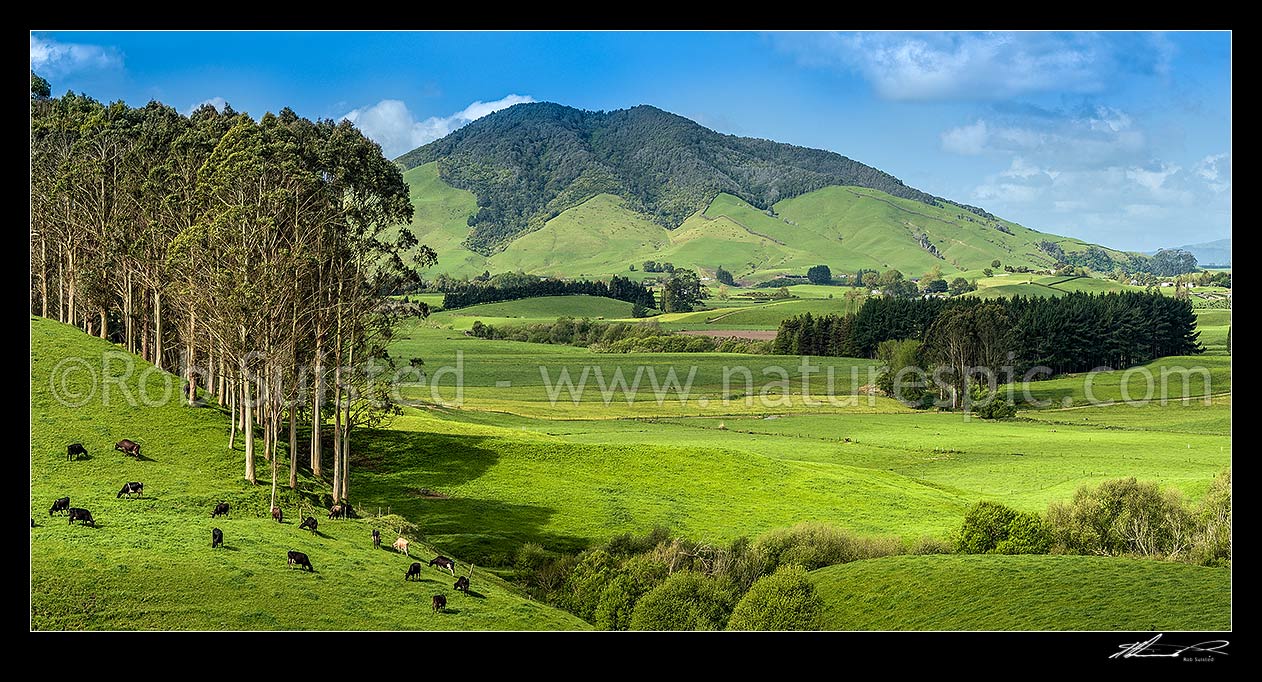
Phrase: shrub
(586, 582)
(1213, 518)
(687, 600)
(785, 600)
(985, 526)
(1027, 534)
(928, 545)
(991, 528)
(816, 545)
(1122, 516)
(637, 576)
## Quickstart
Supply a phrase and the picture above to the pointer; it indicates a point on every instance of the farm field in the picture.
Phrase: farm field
(986, 592)
(146, 557)
(508, 467)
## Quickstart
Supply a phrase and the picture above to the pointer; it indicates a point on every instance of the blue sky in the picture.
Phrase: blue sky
(1118, 138)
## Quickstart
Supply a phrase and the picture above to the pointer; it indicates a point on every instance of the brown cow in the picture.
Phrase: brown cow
(128, 447)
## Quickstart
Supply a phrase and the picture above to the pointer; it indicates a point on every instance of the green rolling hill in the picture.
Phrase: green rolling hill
(1032, 592)
(552, 190)
(148, 563)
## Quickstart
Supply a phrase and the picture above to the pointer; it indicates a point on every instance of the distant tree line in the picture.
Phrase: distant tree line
(615, 337)
(1073, 333)
(465, 294)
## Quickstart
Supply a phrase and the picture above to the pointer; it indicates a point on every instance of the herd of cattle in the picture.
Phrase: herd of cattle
(127, 447)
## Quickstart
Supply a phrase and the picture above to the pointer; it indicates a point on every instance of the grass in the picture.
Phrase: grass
(509, 485)
(541, 308)
(987, 592)
(846, 228)
(148, 563)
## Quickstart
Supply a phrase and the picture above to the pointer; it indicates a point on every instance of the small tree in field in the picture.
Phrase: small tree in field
(820, 274)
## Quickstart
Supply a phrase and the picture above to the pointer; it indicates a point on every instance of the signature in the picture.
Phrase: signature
(1154, 649)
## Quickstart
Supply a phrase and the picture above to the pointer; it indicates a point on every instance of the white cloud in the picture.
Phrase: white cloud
(1100, 137)
(52, 58)
(217, 102)
(392, 125)
(969, 140)
(980, 66)
(1215, 171)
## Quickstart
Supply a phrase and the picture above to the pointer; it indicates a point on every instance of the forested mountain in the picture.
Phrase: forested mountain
(528, 163)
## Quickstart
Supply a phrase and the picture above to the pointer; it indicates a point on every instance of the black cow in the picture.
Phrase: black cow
(440, 603)
(376, 539)
(462, 584)
(128, 447)
(216, 538)
(74, 450)
(301, 560)
(443, 562)
(59, 504)
(83, 516)
(414, 571)
(337, 511)
(134, 487)
(221, 509)
(277, 515)
(309, 523)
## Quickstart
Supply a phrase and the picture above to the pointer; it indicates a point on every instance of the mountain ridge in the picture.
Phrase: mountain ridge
(528, 163)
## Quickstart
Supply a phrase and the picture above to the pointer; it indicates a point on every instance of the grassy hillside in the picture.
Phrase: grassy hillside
(948, 592)
(547, 308)
(148, 563)
(846, 228)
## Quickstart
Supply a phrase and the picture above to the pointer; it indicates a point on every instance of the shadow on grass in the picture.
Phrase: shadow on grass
(230, 548)
(393, 467)
(476, 595)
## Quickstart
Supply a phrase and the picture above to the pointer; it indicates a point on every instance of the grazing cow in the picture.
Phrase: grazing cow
(301, 560)
(308, 523)
(221, 509)
(443, 562)
(59, 504)
(277, 515)
(128, 447)
(216, 538)
(74, 450)
(401, 545)
(376, 539)
(462, 584)
(134, 487)
(440, 603)
(337, 511)
(413, 571)
(83, 516)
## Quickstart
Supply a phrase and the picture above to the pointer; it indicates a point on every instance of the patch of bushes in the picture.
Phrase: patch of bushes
(687, 600)
(992, 528)
(615, 337)
(784, 600)
(1123, 517)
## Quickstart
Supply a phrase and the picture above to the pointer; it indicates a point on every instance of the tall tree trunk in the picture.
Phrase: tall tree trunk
(346, 431)
(157, 337)
(43, 277)
(104, 325)
(129, 328)
(293, 446)
(232, 422)
(317, 406)
(248, 396)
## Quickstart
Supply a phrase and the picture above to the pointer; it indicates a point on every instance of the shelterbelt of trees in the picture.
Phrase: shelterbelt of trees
(1073, 333)
(512, 286)
(250, 256)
